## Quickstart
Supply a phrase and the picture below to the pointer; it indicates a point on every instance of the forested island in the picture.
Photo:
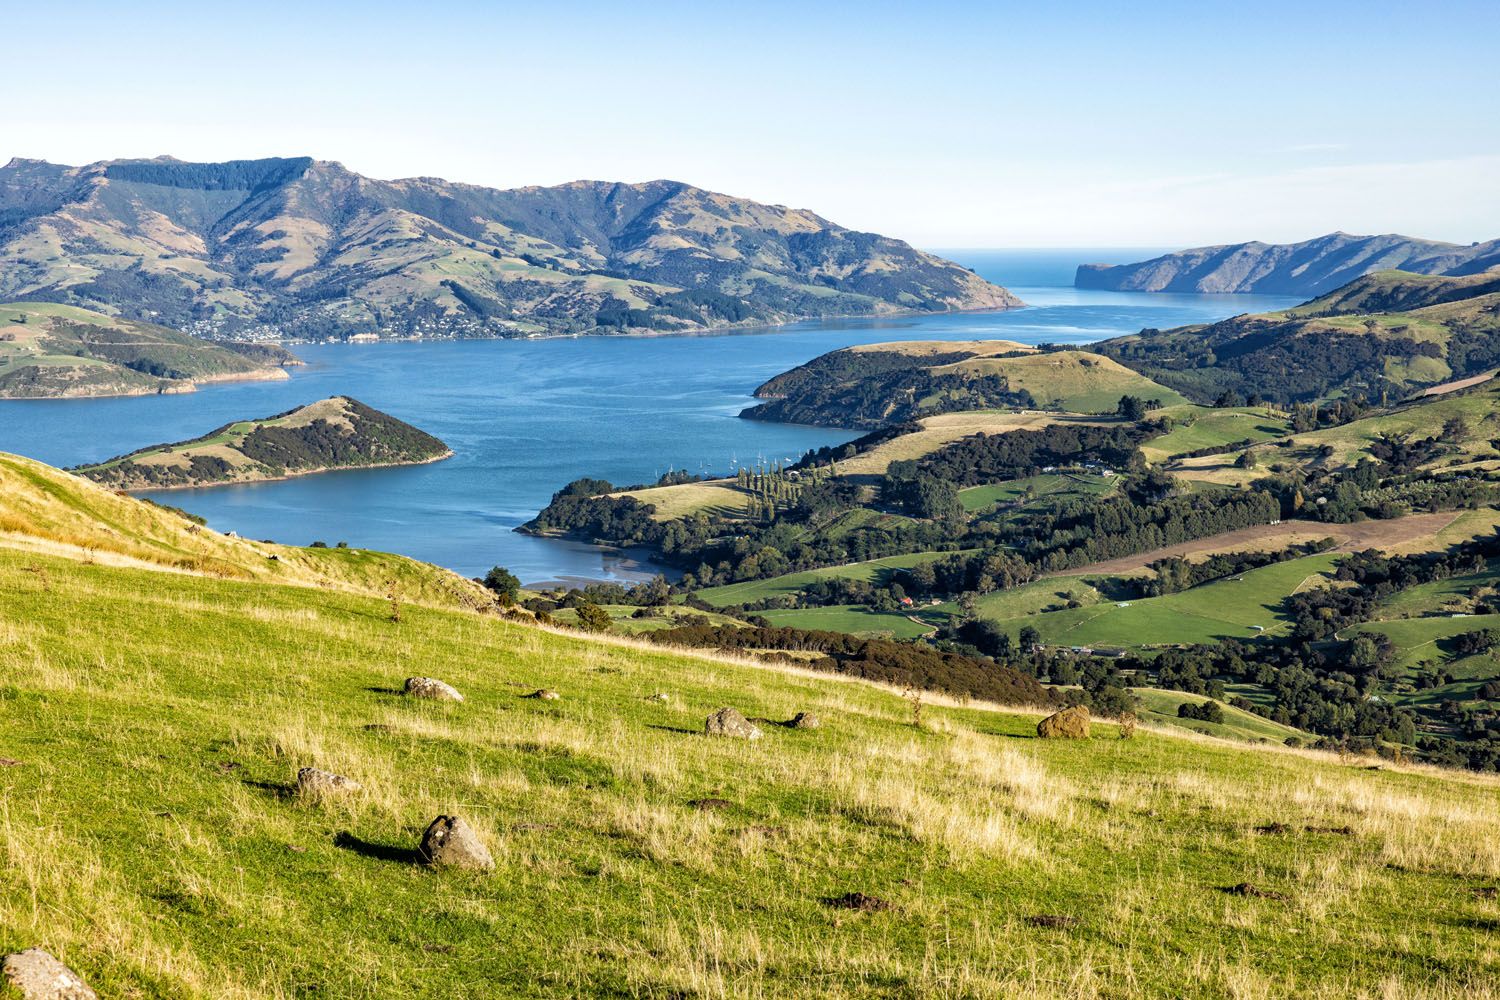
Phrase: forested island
(336, 433)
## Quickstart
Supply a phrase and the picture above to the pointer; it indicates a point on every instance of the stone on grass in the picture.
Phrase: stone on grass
(451, 843)
(36, 975)
(711, 804)
(1246, 889)
(858, 901)
(315, 781)
(804, 720)
(545, 695)
(436, 690)
(1070, 724)
(729, 722)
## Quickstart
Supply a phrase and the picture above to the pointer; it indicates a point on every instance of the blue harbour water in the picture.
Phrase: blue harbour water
(526, 417)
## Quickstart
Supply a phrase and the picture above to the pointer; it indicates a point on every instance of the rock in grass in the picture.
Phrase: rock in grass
(36, 975)
(711, 804)
(451, 843)
(858, 901)
(435, 690)
(1069, 724)
(729, 722)
(1246, 889)
(544, 695)
(804, 720)
(314, 781)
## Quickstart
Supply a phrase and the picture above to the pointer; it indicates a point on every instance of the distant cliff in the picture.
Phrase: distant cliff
(301, 248)
(1309, 268)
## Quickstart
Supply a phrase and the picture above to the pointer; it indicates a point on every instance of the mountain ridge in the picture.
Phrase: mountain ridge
(300, 248)
(1311, 267)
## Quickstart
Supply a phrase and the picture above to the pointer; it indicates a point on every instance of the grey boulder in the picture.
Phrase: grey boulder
(314, 781)
(435, 690)
(451, 843)
(729, 722)
(36, 975)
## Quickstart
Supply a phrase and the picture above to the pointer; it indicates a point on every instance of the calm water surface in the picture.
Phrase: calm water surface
(525, 417)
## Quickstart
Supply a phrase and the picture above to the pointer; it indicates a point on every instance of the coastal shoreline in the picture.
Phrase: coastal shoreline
(271, 479)
(179, 387)
(644, 333)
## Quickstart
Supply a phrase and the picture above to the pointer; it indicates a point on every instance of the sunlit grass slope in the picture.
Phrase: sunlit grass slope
(45, 510)
(148, 835)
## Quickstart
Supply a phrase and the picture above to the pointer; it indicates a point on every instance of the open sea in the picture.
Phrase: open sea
(526, 417)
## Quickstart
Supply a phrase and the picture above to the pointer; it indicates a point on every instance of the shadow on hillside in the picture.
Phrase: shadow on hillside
(380, 852)
(1001, 734)
(386, 690)
(676, 729)
(278, 789)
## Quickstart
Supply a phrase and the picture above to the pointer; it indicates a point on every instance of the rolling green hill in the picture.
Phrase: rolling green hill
(875, 385)
(874, 571)
(293, 247)
(1471, 412)
(336, 433)
(1384, 335)
(49, 350)
(152, 725)
(1241, 607)
(46, 511)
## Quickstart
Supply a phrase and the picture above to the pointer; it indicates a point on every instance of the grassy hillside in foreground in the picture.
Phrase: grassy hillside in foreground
(47, 511)
(335, 433)
(49, 350)
(152, 842)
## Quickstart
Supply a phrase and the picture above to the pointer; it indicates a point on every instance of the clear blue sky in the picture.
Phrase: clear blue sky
(949, 124)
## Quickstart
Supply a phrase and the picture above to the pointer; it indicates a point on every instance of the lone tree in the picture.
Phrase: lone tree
(504, 584)
(592, 618)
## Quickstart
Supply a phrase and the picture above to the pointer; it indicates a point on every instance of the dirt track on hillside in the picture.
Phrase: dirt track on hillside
(1265, 537)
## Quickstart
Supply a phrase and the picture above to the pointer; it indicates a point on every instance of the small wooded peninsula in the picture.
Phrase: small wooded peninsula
(331, 434)
(51, 351)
